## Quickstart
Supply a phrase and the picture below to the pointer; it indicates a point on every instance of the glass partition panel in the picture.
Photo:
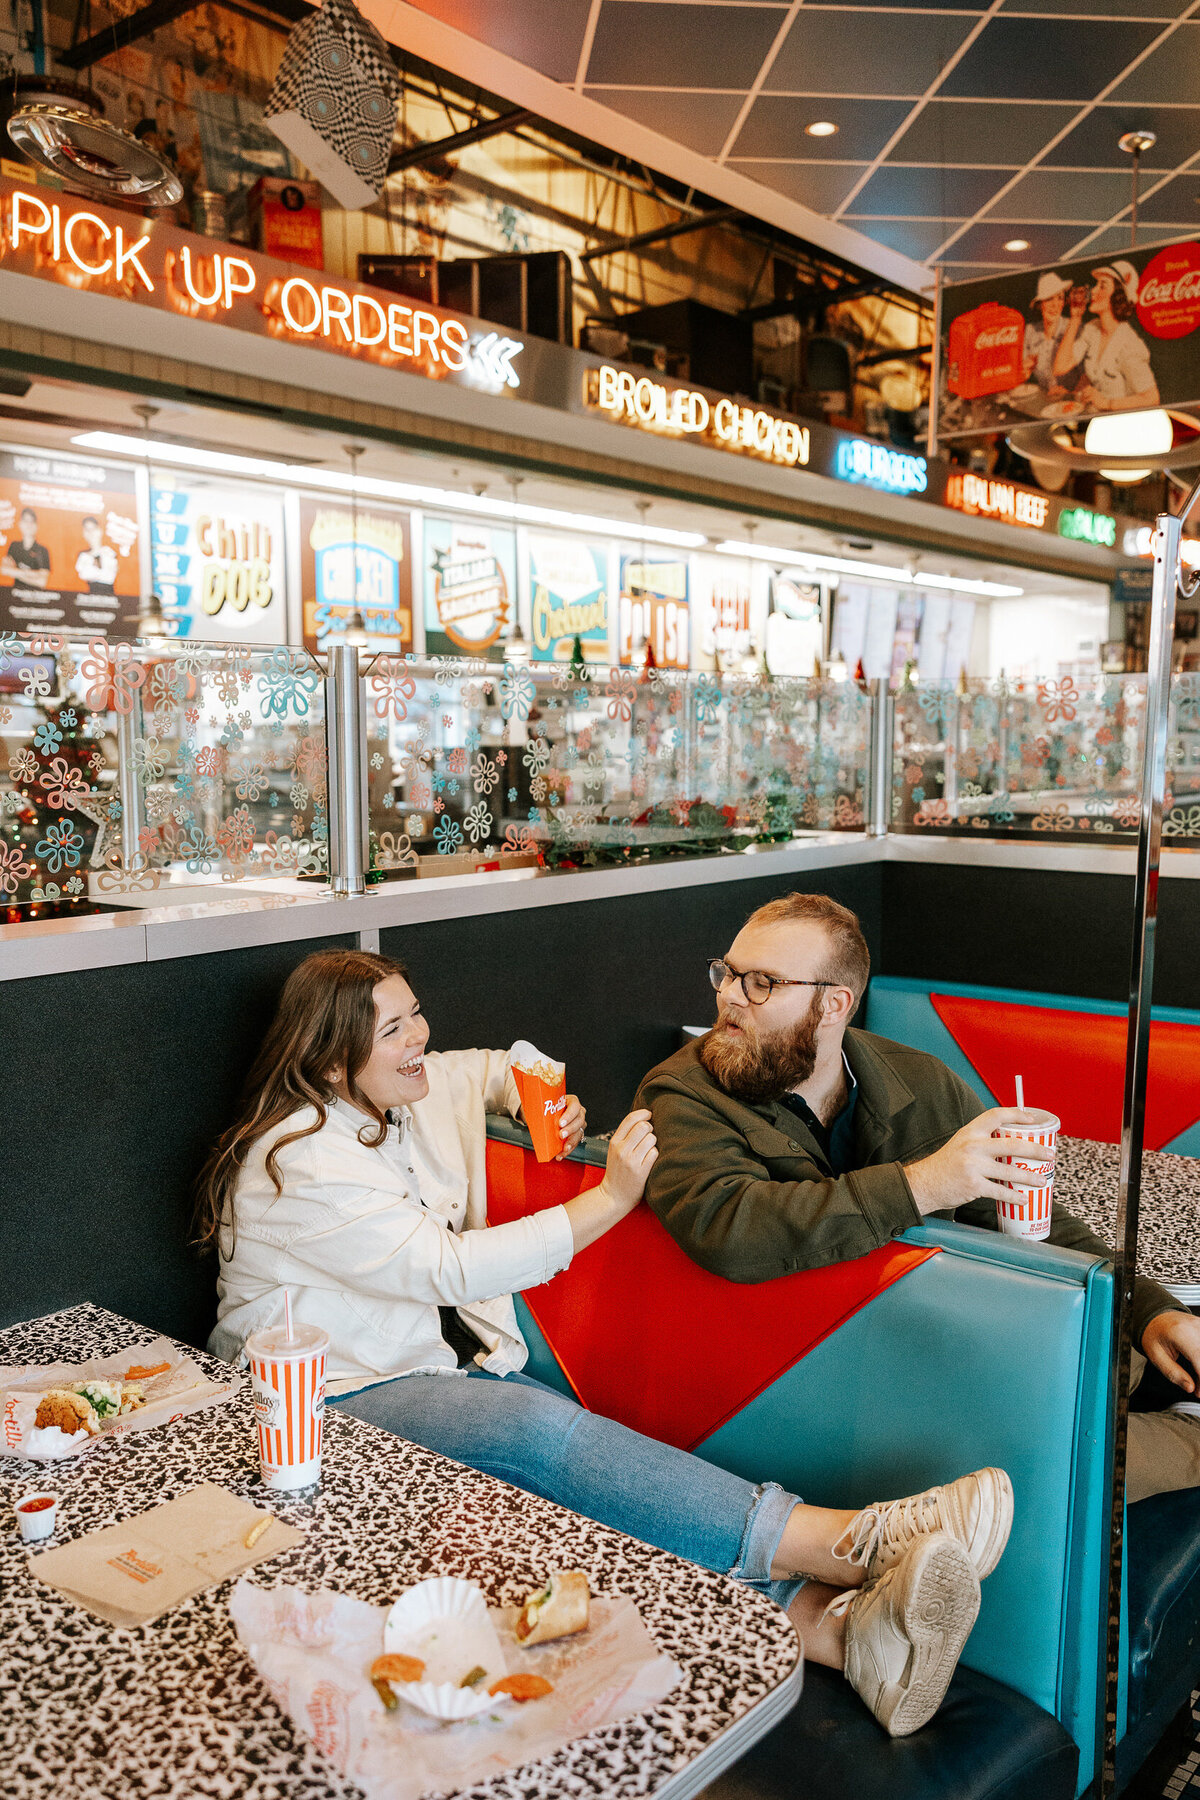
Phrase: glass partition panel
(576, 766)
(127, 767)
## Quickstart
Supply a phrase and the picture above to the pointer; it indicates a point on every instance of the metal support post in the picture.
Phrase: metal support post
(879, 758)
(1167, 580)
(129, 788)
(346, 736)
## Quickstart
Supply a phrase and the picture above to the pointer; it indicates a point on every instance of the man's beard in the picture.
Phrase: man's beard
(756, 1069)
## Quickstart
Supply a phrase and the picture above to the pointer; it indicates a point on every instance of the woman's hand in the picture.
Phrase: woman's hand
(572, 1125)
(631, 1156)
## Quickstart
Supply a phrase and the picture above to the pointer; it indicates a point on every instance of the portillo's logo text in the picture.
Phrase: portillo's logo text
(152, 264)
(686, 412)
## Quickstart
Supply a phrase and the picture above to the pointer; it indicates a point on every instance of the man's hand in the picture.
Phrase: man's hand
(572, 1125)
(972, 1165)
(1172, 1343)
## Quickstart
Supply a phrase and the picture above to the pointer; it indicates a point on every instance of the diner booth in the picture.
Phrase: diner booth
(550, 745)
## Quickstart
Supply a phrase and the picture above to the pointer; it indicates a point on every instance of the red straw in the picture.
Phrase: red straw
(287, 1312)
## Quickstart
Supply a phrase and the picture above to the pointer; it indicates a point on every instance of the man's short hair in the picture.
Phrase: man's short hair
(849, 960)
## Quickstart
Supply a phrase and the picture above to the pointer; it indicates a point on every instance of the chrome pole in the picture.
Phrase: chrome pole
(346, 736)
(129, 788)
(879, 758)
(1167, 580)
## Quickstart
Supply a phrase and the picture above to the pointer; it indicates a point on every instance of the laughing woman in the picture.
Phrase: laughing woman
(354, 1176)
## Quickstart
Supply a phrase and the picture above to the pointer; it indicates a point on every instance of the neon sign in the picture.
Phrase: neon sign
(1088, 527)
(686, 412)
(982, 497)
(155, 265)
(878, 466)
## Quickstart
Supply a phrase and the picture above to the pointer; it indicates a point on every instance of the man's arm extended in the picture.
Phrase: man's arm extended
(719, 1203)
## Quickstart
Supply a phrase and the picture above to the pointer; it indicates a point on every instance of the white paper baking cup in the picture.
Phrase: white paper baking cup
(445, 1622)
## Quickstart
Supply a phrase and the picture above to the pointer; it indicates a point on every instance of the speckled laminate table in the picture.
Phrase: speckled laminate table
(1085, 1183)
(174, 1709)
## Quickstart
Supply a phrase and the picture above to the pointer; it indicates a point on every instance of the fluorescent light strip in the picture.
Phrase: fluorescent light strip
(224, 462)
(841, 565)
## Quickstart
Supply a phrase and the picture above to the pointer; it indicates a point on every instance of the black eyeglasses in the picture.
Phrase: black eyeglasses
(756, 984)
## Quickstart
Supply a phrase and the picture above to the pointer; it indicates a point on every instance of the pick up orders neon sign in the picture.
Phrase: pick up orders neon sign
(156, 265)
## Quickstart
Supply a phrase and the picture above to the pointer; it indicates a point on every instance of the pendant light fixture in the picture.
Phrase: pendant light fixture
(516, 644)
(60, 127)
(355, 631)
(1127, 435)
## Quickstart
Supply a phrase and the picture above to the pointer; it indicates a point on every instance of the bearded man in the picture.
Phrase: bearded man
(787, 1140)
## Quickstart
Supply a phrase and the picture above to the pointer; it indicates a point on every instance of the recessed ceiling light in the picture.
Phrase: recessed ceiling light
(1017, 244)
(821, 128)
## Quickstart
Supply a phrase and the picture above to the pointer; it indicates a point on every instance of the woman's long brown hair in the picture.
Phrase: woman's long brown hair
(322, 1032)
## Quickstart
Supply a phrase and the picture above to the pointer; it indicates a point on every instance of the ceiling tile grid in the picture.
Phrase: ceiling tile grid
(960, 127)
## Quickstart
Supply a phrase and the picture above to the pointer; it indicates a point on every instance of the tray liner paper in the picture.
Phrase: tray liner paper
(314, 1652)
(181, 1388)
(131, 1573)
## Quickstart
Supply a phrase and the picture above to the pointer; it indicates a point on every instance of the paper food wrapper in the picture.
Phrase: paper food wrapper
(132, 1573)
(541, 1083)
(181, 1388)
(314, 1652)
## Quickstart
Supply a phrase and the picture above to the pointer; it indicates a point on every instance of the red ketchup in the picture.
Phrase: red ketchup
(38, 1505)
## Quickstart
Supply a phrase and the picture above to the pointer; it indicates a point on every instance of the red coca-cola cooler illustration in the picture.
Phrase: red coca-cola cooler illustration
(985, 351)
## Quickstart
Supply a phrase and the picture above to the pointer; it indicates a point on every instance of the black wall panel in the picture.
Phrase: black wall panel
(603, 985)
(1053, 932)
(115, 1083)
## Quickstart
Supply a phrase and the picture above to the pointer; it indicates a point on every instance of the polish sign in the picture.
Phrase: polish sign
(654, 609)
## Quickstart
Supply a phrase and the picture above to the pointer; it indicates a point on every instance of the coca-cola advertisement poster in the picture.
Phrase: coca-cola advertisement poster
(1105, 334)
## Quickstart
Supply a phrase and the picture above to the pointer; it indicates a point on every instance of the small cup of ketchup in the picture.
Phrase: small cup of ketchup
(37, 1516)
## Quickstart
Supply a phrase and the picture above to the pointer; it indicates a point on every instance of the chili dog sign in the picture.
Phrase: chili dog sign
(94, 249)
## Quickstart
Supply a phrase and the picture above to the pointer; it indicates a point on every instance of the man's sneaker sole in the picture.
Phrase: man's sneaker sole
(938, 1610)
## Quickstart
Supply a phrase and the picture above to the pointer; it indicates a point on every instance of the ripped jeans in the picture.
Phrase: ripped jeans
(525, 1433)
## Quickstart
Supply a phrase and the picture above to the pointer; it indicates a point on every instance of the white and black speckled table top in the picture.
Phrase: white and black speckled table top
(175, 1710)
(1085, 1182)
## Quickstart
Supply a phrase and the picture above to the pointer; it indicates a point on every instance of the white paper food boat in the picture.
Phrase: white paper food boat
(445, 1622)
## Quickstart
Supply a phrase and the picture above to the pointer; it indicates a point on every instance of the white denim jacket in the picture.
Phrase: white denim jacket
(371, 1241)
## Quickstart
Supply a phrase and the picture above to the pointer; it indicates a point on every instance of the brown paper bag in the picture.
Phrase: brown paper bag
(132, 1573)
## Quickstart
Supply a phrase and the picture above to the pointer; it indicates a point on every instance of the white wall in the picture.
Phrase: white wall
(1045, 635)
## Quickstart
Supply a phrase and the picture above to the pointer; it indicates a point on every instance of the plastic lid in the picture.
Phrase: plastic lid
(306, 1340)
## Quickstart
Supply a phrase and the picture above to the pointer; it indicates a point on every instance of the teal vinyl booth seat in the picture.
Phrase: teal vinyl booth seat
(991, 1351)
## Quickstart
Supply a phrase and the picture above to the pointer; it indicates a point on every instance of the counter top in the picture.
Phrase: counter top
(201, 921)
(175, 1709)
(1085, 1182)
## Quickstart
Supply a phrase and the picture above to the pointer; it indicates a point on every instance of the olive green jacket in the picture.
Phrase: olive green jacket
(747, 1192)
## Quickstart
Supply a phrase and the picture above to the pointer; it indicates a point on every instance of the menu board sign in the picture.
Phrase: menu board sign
(218, 560)
(568, 581)
(341, 562)
(470, 585)
(654, 608)
(1067, 343)
(68, 546)
(720, 604)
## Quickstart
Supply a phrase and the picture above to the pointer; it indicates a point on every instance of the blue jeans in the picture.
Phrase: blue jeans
(525, 1433)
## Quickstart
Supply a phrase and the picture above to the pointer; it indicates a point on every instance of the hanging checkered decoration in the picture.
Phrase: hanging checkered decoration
(334, 102)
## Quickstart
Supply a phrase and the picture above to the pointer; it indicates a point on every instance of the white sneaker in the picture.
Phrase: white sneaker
(976, 1509)
(905, 1632)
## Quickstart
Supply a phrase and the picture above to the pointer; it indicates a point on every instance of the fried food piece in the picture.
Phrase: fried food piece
(473, 1676)
(394, 1667)
(139, 1373)
(523, 1687)
(69, 1411)
(256, 1530)
(559, 1609)
(385, 1693)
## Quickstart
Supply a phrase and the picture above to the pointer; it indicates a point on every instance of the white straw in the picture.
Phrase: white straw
(287, 1312)
(1020, 1103)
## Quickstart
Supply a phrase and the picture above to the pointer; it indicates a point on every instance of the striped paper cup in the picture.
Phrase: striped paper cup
(287, 1377)
(1027, 1213)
